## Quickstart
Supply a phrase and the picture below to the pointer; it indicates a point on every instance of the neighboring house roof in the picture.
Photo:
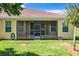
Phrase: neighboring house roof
(29, 13)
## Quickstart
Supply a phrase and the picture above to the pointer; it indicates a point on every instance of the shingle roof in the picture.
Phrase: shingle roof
(29, 13)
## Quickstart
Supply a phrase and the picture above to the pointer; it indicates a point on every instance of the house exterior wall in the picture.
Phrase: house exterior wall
(6, 35)
(65, 35)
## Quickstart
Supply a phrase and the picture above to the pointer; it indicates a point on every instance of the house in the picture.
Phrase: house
(35, 24)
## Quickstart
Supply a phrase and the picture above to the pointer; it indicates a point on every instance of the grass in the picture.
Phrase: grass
(35, 47)
(77, 34)
(32, 48)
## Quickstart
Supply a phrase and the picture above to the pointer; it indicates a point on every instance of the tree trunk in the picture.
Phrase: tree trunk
(74, 39)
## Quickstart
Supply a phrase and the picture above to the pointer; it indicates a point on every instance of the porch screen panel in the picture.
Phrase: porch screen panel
(53, 27)
(20, 26)
(37, 29)
(43, 29)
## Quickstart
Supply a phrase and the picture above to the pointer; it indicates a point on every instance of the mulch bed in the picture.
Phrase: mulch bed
(69, 48)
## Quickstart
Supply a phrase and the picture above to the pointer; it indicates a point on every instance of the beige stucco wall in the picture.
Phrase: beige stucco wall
(65, 35)
(6, 35)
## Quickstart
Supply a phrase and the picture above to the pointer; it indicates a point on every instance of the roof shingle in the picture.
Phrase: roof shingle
(29, 13)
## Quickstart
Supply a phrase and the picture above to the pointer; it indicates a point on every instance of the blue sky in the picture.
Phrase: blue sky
(48, 7)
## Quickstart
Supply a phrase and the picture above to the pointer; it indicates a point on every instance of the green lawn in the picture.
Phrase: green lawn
(77, 33)
(32, 48)
(35, 47)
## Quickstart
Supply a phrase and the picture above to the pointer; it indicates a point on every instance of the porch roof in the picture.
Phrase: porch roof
(29, 13)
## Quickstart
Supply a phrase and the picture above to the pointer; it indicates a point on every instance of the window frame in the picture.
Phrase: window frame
(10, 26)
(65, 25)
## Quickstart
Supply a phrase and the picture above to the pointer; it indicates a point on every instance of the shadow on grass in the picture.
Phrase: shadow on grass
(11, 52)
(77, 38)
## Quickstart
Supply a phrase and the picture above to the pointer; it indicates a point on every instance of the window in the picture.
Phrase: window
(7, 26)
(65, 27)
(53, 27)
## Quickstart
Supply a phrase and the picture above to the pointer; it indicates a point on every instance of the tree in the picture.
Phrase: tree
(72, 17)
(11, 8)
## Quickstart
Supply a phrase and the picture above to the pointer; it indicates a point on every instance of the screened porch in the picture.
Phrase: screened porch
(36, 29)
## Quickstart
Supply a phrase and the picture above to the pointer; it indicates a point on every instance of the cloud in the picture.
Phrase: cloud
(56, 11)
(23, 6)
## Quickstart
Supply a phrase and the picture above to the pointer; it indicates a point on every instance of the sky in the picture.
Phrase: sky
(48, 7)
